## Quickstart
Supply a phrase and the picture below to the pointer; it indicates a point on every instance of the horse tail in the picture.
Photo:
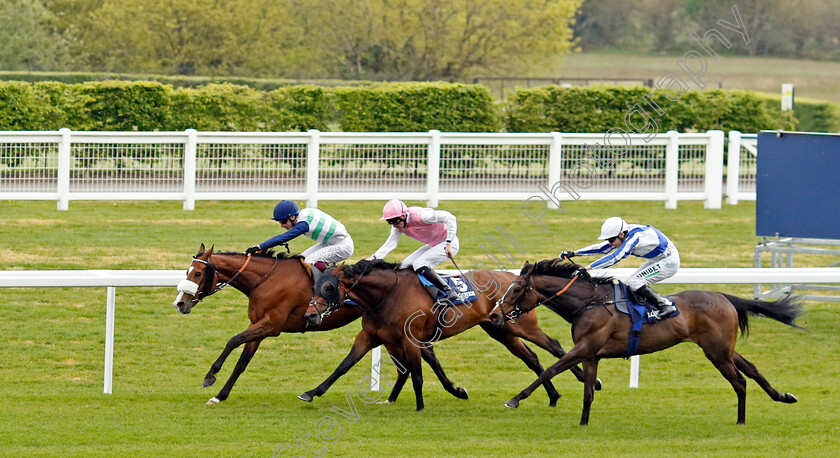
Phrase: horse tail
(784, 310)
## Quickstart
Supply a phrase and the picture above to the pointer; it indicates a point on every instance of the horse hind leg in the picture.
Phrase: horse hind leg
(752, 372)
(726, 365)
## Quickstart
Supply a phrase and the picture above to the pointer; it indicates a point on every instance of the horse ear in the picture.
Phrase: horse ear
(200, 250)
(210, 251)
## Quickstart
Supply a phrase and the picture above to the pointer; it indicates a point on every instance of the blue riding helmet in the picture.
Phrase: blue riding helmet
(284, 210)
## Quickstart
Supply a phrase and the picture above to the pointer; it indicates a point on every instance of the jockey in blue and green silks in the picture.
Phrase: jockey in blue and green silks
(334, 243)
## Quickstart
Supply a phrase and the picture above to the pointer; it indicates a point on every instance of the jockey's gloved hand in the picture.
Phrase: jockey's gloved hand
(567, 255)
(253, 249)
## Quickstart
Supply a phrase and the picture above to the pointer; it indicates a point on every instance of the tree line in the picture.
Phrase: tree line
(808, 29)
(353, 39)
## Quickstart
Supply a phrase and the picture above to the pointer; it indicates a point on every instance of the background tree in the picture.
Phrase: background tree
(211, 37)
(27, 39)
(429, 40)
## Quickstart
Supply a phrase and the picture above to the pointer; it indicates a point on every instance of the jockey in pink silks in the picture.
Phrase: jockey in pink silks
(436, 228)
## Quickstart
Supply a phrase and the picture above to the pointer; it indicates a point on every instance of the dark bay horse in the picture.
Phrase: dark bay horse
(709, 319)
(400, 314)
(278, 289)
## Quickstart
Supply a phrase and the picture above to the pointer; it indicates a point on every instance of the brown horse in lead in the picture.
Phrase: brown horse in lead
(400, 314)
(278, 288)
(709, 319)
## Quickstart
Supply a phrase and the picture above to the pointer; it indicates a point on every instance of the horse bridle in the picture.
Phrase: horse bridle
(517, 311)
(333, 306)
(185, 285)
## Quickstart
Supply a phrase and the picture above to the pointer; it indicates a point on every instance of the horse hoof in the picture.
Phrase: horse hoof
(213, 401)
(790, 398)
(512, 404)
(462, 393)
(305, 397)
(208, 381)
(597, 384)
(553, 402)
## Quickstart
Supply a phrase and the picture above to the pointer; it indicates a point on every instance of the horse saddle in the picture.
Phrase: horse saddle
(459, 284)
(639, 311)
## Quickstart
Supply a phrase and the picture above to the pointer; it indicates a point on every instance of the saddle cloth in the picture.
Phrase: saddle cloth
(460, 285)
(640, 314)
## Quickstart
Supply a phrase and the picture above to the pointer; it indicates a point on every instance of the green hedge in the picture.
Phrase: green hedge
(395, 107)
(147, 106)
(812, 115)
(598, 108)
(261, 84)
(415, 107)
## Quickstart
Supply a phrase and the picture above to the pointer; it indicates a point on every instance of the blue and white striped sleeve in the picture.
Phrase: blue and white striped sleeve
(622, 252)
(598, 248)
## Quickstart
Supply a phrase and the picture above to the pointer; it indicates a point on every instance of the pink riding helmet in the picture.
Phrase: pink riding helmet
(393, 209)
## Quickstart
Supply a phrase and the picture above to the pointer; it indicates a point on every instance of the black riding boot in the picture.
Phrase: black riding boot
(664, 306)
(439, 283)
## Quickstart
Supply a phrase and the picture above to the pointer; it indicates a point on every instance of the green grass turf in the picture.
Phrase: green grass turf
(52, 347)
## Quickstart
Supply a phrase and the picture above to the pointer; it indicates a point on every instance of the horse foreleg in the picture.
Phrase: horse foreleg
(364, 343)
(412, 357)
(398, 355)
(590, 372)
(257, 331)
(428, 354)
(398, 386)
(568, 360)
(752, 372)
(518, 348)
(537, 336)
(247, 353)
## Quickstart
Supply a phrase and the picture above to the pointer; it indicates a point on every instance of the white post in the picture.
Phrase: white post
(634, 371)
(190, 148)
(433, 169)
(733, 167)
(375, 368)
(109, 338)
(64, 170)
(714, 170)
(672, 168)
(555, 164)
(312, 155)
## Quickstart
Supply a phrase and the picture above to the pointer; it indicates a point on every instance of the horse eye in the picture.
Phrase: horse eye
(197, 274)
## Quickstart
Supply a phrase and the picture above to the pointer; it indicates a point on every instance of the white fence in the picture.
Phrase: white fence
(170, 278)
(188, 166)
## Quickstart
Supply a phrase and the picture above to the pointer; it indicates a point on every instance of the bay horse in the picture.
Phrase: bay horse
(399, 313)
(709, 319)
(278, 288)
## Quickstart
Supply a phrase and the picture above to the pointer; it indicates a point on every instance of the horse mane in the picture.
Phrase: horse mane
(278, 255)
(560, 268)
(366, 266)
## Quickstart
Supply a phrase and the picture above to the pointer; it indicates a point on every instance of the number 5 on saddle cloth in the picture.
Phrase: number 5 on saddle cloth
(459, 284)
